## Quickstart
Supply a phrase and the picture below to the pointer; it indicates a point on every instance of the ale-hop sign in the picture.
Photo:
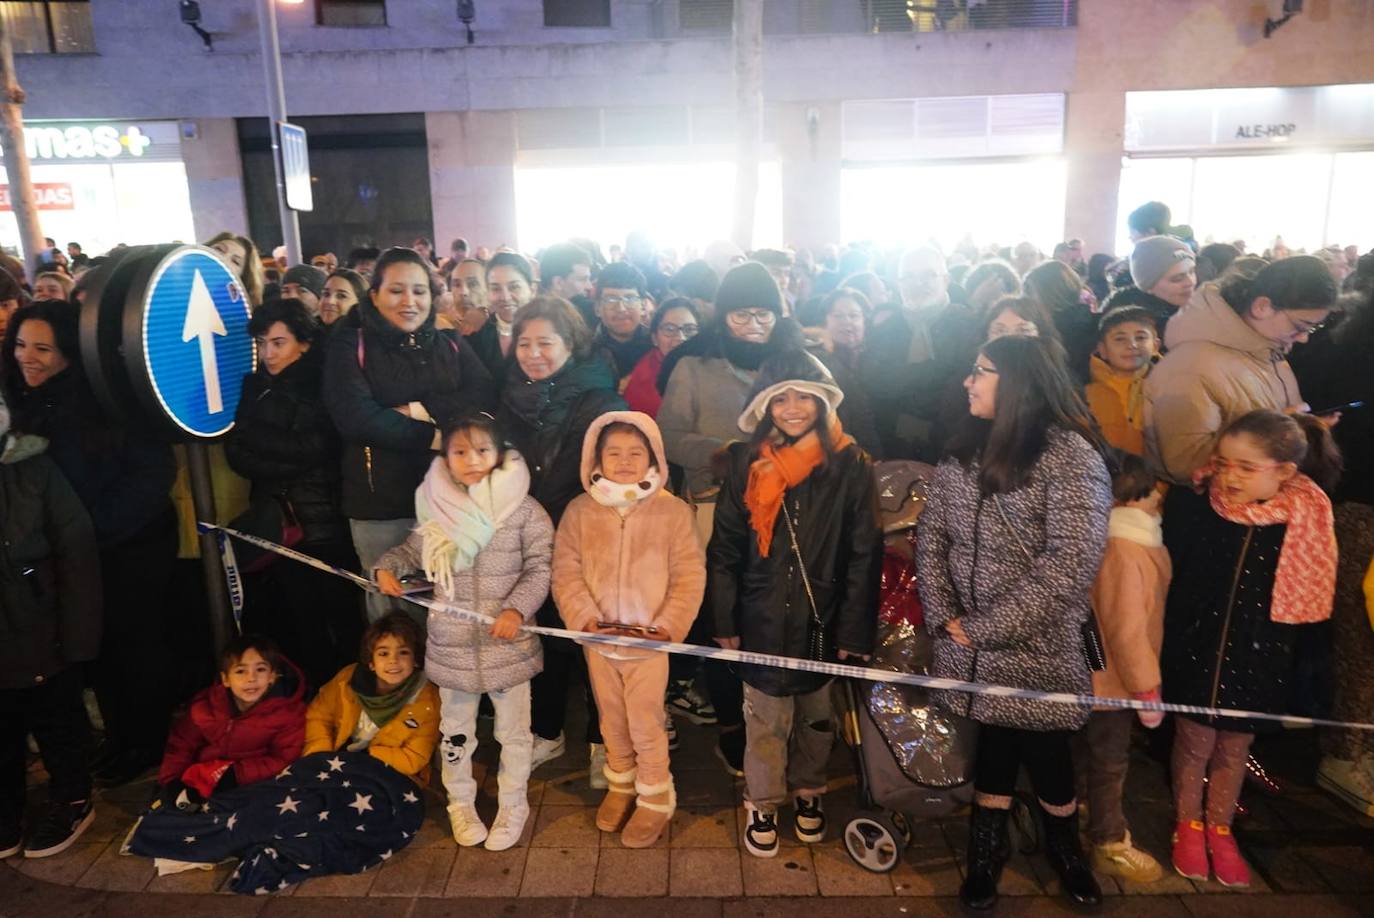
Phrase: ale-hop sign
(1197, 120)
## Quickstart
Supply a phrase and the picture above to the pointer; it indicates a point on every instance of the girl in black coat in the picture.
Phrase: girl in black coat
(792, 569)
(284, 443)
(1254, 559)
(390, 384)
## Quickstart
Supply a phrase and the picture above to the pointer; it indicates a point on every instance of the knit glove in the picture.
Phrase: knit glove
(205, 776)
(1150, 719)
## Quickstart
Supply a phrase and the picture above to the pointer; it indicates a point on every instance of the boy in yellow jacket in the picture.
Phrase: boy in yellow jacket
(1127, 348)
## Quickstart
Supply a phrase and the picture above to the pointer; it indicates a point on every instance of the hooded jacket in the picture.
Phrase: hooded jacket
(284, 443)
(370, 370)
(644, 567)
(406, 742)
(260, 742)
(1117, 402)
(1217, 369)
(511, 572)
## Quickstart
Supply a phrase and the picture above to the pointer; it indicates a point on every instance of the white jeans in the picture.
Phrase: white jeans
(458, 743)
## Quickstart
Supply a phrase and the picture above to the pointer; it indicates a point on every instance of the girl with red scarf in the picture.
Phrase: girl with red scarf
(792, 569)
(1254, 559)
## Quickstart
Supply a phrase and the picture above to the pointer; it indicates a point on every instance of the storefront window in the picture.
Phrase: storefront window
(53, 27)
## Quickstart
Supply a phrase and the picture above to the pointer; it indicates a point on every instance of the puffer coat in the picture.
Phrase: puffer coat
(512, 572)
(1017, 569)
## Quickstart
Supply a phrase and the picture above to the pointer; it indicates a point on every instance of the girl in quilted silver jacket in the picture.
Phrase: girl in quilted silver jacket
(1008, 548)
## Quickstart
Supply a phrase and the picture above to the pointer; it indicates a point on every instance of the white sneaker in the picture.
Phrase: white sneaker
(760, 831)
(596, 768)
(546, 750)
(467, 826)
(508, 827)
(1351, 782)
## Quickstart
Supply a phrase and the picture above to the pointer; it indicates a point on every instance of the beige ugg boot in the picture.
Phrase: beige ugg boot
(619, 800)
(653, 809)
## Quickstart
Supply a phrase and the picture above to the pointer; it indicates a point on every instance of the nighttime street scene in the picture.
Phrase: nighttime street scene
(686, 458)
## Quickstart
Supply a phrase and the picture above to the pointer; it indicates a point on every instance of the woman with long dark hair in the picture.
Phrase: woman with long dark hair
(1008, 548)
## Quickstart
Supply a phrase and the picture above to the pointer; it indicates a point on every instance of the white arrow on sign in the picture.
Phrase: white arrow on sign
(203, 322)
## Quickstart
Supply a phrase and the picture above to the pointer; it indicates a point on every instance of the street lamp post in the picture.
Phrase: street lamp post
(276, 112)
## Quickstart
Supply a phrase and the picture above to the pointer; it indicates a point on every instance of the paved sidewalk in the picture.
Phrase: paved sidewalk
(1312, 857)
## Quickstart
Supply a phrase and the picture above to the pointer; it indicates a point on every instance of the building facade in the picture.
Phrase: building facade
(1001, 119)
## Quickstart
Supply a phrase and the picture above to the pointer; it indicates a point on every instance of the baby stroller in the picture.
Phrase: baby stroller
(912, 759)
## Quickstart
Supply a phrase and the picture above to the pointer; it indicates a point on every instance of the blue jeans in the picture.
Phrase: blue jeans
(372, 539)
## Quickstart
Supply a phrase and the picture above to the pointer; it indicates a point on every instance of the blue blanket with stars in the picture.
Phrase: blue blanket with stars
(330, 812)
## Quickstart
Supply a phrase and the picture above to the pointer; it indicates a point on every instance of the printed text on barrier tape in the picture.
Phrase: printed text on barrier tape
(810, 666)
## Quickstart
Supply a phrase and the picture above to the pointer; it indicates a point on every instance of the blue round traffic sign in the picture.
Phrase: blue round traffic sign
(193, 317)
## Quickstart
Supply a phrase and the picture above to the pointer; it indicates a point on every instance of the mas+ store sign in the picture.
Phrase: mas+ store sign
(56, 142)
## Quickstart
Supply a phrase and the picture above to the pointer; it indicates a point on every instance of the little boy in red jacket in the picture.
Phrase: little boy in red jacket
(245, 729)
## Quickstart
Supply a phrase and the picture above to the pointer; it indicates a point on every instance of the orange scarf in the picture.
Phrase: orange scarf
(781, 467)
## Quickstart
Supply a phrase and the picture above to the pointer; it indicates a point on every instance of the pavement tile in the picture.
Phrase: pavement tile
(64, 869)
(554, 872)
(1347, 868)
(790, 873)
(340, 884)
(311, 907)
(659, 908)
(566, 827)
(838, 875)
(140, 905)
(22, 895)
(1288, 869)
(1170, 884)
(927, 872)
(192, 881)
(713, 872)
(634, 873)
(873, 907)
(117, 872)
(570, 789)
(705, 827)
(1277, 906)
(479, 873)
(415, 872)
(493, 908)
(434, 832)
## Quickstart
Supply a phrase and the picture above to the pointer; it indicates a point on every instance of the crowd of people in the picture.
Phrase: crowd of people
(1140, 455)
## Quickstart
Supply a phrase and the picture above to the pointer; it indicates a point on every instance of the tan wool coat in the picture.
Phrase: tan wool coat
(1128, 600)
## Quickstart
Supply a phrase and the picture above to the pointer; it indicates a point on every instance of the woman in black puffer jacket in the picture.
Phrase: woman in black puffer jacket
(390, 384)
(284, 443)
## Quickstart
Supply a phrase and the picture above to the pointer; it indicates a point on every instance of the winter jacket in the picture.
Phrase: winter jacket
(486, 344)
(369, 371)
(50, 596)
(641, 393)
(512, 572)
(1221, 649)
(909, 360)
(1077, 327)
(1117, 402)
(1217, 369)
(406, 742)
(1022, 610)
(122, 475)
(1128, 600)
(644, 568)
(700, 414)
(623, 356)
(763, 601)
(285, 444)
(258, 743)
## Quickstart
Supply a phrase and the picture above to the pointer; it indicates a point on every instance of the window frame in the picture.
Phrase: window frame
(51, 29)
(319, 13)
(606, 4)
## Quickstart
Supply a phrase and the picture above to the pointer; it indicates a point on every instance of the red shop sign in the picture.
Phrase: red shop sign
(49, 195)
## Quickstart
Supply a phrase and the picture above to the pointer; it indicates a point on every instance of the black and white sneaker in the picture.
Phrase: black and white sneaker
(671, 729)
(61, 825)
(810, 822)
(684, 699)
(11, 836)
(760, 831)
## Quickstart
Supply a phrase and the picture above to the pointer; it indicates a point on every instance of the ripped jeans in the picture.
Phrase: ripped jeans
(787, 745)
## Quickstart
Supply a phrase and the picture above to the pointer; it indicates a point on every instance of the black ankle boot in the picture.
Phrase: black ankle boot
(988, 850)
(1065, 853)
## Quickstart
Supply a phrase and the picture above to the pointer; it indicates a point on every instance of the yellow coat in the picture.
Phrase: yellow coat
(1117, 401)
(333, 716)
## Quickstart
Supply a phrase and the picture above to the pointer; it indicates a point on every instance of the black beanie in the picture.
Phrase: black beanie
(747, 286)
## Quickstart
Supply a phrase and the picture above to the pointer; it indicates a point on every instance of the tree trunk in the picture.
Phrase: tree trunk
(747, 45)
(17, 158)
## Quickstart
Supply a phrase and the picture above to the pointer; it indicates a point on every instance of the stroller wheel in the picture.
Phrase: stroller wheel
(903, 826)
(874, 843)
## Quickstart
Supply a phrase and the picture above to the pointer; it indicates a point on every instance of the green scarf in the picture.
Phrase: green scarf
(381, 708)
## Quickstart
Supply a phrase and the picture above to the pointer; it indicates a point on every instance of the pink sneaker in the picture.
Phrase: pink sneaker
(1190, 850)
(1230, 867)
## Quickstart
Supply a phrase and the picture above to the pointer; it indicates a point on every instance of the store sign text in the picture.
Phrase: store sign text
(1265, 131)
(47, 195)
(82, 142)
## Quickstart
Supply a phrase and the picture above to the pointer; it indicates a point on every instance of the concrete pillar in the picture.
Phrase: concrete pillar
(214, 175)
(1093, 146)
(472, 176)
(808, 138)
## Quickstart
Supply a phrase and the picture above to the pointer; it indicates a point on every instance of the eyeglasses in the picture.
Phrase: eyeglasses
(677, 331)
(621, 302)
(980, 370)
(742, 317)
(1303, 328)
(1242, 470)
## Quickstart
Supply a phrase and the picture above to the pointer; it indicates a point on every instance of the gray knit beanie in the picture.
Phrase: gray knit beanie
(1155, 256)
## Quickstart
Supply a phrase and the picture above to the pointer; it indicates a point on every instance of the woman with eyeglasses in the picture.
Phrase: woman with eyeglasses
(675, 322)
(1007, 551)
(1227, 356)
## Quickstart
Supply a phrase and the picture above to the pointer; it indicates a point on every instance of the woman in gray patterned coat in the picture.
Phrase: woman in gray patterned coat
(1008, 548)
(487, 546)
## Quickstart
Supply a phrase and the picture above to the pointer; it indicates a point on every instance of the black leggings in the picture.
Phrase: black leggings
(1045, 753)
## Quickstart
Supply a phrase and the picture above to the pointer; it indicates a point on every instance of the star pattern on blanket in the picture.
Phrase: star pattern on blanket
(231, 821)
(335, 764)
(190, 839)
(409, 797)
(324, 815)
(288, 806)
(362, 803)
(322, 776)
